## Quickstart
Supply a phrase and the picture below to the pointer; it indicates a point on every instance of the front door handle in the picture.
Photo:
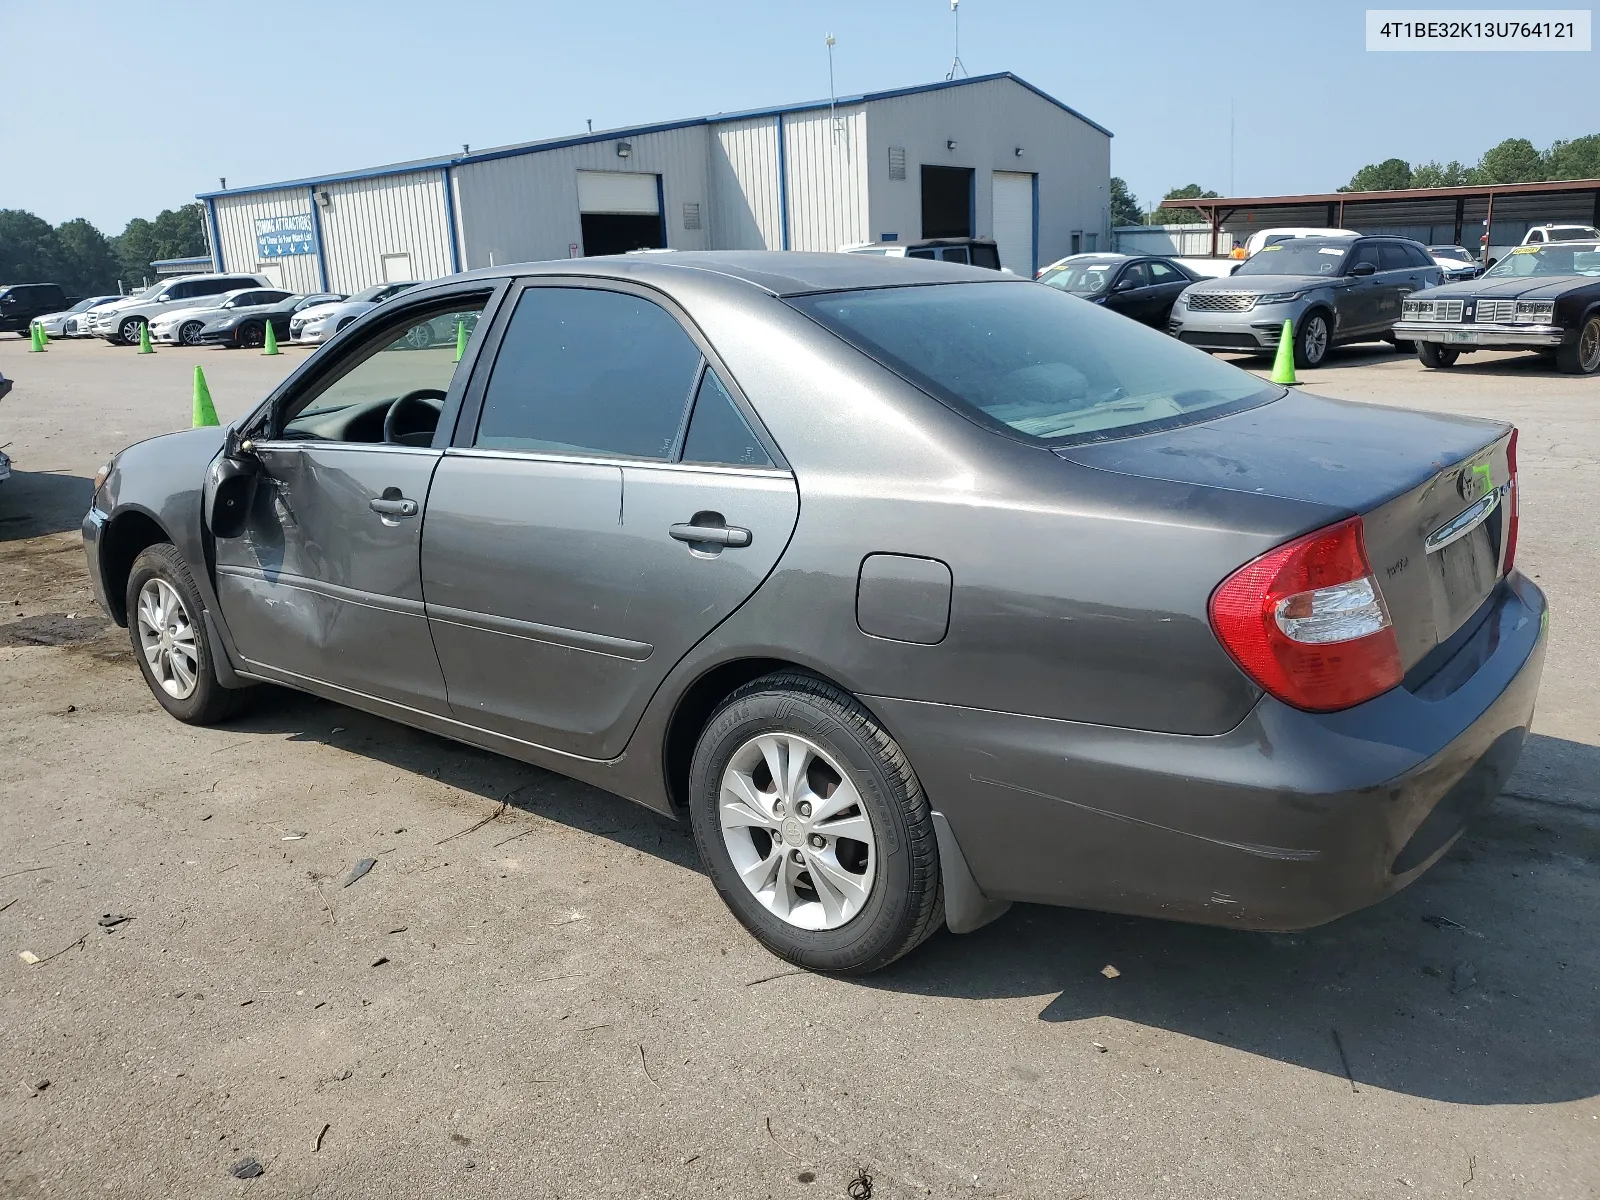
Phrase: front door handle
(716, 535)
(391, 506)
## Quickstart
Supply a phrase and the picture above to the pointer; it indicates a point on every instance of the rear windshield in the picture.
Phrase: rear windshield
(1030, 360)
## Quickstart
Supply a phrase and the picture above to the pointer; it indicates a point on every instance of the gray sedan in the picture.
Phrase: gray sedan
(914, 590)
(1333, 289)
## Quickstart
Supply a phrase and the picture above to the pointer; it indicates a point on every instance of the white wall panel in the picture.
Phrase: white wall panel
(744, 185)
(618, 192)
(826, 169)
(989, 122)
(236, 225)
(524, 207)
(390, 214)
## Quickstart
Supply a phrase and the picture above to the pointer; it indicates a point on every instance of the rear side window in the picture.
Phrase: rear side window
(1161, 273)
(954, 254)
(1035, 361)
(718, 432)
(986, 256)
(586, 371)
(1419, 256)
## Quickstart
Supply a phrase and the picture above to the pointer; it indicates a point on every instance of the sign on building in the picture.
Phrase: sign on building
(277, 237)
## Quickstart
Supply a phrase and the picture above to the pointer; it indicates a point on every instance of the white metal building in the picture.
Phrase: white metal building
(991, 155)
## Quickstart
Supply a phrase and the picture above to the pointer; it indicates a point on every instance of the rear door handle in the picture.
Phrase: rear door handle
(391, 507)
(717, 535)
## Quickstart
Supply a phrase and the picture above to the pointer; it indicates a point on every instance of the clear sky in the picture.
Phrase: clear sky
(112, 112)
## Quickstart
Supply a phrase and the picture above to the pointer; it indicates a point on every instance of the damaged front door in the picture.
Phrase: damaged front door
(324, 584)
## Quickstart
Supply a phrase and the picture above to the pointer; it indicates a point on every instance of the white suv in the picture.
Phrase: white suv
(120, 323)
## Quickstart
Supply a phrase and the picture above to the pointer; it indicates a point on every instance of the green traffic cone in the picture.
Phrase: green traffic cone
(461, 339)
(144, 339)
(272, 340)
(35, 346)
(44, 335)
(205, 413)
(1283, 365)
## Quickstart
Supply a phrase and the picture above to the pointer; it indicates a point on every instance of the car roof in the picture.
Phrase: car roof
(777, 272)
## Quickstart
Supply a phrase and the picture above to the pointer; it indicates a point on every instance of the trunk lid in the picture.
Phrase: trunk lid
(1431, 489)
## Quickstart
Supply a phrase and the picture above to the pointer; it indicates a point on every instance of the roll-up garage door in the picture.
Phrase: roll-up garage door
(617, 192)
(1013, 221)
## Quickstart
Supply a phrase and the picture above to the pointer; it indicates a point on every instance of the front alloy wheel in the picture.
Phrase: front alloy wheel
(189, 333)
(128, 331)
(166, 635)
(1311, 340)
(795, 829)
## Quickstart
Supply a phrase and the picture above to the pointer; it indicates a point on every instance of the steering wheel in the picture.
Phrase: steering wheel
(431, 399)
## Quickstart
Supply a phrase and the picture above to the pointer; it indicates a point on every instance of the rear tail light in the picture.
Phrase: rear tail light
(1509, 559)
(1308, 623)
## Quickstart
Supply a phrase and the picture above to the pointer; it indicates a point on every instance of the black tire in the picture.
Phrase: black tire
(209, 702)
(189, 333)
(1313, 338)
(1582, 357)
(128, 331)
(1403, 345)
(906, 903)
(252, 336)
(1434, 355)
(342, 324)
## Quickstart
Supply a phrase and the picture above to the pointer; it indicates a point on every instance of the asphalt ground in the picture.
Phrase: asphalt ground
(544, 998)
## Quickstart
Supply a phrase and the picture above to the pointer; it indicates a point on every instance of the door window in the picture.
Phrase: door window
(414, 353)
(1366, 252)
(718, 432)
(986, 256)
(919, 253)
(1393, 257)
(1133, 276)
(585, 371)
(1161, 273)
(954, 254)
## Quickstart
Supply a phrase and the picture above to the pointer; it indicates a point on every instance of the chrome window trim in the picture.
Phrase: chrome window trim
(597, 460)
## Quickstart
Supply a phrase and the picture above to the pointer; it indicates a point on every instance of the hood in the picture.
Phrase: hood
(1338, 453)
(334, 307)
(1542, 287)
(1257, 284)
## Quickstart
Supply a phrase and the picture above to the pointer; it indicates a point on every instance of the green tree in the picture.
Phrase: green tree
(1577, 159)
(1513, 161)
(1182, 216)
(1391, 175)
(1433, 174)
(1125, 208)
(28, 251)
(175, 233)
(88, 264)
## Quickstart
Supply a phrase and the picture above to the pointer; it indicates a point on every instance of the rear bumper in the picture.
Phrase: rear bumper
(1290, 820)
(1537, 336)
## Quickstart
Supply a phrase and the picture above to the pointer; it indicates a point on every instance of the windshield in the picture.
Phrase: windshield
(1033, 361)
(1082, 277)
(1300, 256)
(1582, 258)
(1459, 253)
(85, 305)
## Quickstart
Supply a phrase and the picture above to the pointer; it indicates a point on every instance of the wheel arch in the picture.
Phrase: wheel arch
(127, 534)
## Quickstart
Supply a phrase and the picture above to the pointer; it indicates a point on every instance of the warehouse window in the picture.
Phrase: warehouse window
(946, 202)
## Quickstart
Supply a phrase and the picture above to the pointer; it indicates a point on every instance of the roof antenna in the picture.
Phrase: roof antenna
(833, 100)
(590, 120)
(956, 64)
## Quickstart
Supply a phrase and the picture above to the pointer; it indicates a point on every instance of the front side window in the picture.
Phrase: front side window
(413, 356)
(586, 371)
(1161, 273)
(1028, 360)
(1134, 277)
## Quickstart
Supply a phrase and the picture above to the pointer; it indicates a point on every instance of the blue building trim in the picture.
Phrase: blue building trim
(661, 207)
(783, 188)
(450, 221)
(316, 233)
(972, 202)
(1035, 225)
(216, 235)
(611, 135)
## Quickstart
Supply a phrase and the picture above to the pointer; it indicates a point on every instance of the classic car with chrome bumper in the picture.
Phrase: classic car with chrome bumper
(1534, 337)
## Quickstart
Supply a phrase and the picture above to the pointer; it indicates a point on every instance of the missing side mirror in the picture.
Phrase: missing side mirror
(230, 489)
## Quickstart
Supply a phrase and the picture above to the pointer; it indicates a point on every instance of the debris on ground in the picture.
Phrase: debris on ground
(1462, 977)
(1344, 1059)
(860, 1188)
(39, 1085)
(1109, 971)
(294, 835)
(28, 956)
(247, 1168)
(112, 920)
(380, 960)
(322, 1133)
(397, 929)
(1441, 922)
(359, 870)
(1098, 1046)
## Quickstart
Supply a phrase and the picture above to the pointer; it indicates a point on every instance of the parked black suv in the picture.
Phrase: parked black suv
(20, 303)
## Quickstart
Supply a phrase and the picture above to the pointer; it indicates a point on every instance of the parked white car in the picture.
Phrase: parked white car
(183, 325)
(55, 324)
(119, 323)
(1268, 237)
(1541, 235)
(322, 321)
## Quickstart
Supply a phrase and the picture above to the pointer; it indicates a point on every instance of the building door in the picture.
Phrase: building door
(397, 268)
(620, 211)
(1013, 221)
(946, 202)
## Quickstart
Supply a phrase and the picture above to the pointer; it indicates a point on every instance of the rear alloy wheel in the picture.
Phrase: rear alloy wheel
(251, 336)
(167, 626)
(128, 331)
(1432, 354)
(420, 337)
(1582, 357)
(813, 827)
(189, 332)
(1311, 339)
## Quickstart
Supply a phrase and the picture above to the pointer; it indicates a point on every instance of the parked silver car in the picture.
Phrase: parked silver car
(56, 324)
(1333, 289)
(320, 322)
(120, 323)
